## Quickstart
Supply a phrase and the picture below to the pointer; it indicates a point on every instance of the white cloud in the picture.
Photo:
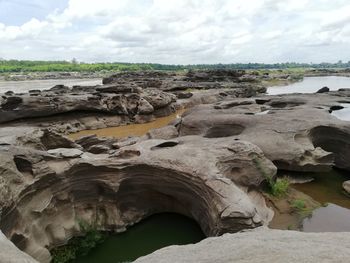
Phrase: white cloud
(185, 31)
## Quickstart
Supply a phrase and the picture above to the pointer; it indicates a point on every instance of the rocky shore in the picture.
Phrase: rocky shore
(211, 165)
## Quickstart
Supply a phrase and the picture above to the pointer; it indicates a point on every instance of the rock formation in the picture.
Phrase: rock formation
(259, 246)
(210, 165)
(129, 97)
(10, 253)
(108, 100)
(52, 190)
(296, 132)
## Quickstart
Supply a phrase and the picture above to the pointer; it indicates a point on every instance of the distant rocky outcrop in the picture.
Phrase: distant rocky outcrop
(112, 100)
(126, 97)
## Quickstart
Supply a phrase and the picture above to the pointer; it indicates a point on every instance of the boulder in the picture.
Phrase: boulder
(323, 90)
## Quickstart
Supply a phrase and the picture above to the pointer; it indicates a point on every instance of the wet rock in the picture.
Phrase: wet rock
(323, 90)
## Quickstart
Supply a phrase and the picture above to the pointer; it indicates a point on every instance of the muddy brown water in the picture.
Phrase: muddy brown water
(130, 129)
(327, 188)
(334, 215)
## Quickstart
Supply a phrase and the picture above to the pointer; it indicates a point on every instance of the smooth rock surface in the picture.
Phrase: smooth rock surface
(9, 253)
(297, 133)
(259, 246)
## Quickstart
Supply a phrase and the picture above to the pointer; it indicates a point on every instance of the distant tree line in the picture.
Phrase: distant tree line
(75, 66)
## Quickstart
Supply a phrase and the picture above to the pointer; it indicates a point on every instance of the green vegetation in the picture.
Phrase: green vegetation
(78, 246)
(279, 187)
(75, 66)
(300, 206)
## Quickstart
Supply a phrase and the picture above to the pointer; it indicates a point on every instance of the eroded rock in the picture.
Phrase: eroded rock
(206, 179)
(297, 132)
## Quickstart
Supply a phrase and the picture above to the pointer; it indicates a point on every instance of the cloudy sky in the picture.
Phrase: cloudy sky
(176, 31)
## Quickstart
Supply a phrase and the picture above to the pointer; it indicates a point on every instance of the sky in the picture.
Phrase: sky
(176, 31)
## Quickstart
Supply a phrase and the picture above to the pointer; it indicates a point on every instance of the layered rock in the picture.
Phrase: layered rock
(127, 97)
(213, 181)
(112, 100)
(236, 80)
(259, 246)
(209, 165)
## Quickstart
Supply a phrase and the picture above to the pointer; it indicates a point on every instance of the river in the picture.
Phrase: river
(26, 85)
(311, 85)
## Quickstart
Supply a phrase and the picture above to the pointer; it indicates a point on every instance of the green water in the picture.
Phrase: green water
(153, 233)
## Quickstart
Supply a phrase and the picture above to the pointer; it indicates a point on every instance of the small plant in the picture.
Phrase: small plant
(279, 187)
(78, 246)
(299, 204)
